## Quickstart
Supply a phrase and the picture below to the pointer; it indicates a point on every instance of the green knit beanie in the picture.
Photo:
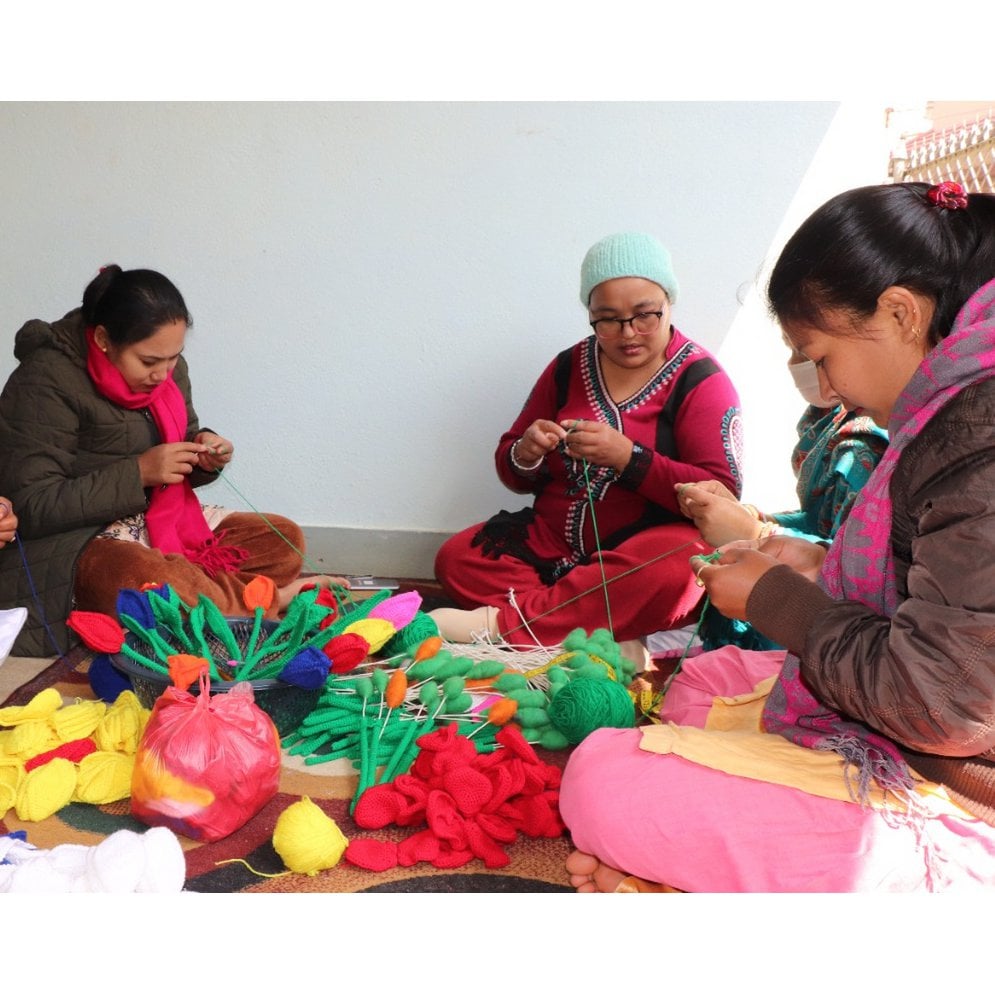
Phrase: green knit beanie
(627, 254)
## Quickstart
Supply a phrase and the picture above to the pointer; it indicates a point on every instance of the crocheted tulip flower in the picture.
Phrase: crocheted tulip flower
(98, 631)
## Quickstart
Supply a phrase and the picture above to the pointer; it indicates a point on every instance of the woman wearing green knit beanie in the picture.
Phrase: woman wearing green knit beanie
(613, 422)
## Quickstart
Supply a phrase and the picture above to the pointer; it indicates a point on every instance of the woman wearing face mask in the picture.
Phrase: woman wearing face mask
(836, 452)
(100, 449)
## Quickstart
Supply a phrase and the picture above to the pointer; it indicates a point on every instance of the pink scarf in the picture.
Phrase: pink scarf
(174, 517)
(859, 565)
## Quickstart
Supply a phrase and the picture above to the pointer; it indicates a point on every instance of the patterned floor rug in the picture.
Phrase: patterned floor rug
(239, 862)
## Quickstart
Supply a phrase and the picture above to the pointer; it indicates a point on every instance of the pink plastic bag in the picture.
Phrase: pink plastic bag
(206, 764)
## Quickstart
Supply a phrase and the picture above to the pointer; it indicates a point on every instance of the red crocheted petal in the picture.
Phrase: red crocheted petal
(496, 827)
(378, 806)
(484, 847)
(470, 789)
(413, 788)
(510, 736)
(433, 765)
(444, 819)
(438, 739)
(538, 816)
(75, 750)
(424, 845)
(535, 780)
(372, 855)
(449, 858)
(506, 782)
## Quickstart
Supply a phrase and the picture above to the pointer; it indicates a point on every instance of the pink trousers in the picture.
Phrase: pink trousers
(666, 819)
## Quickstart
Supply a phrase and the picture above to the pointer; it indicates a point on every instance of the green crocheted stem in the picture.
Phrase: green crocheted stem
(169, 615)
(220, 627)
(400, 751)
(257, 624)
(144, 660)
(197, 629)
(162, 649)
(364, 761)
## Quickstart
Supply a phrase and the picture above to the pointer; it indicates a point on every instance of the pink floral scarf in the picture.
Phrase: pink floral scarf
(859, 565)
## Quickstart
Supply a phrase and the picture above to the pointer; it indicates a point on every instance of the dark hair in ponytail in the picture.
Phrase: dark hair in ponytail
(863, 241)
(132, 304)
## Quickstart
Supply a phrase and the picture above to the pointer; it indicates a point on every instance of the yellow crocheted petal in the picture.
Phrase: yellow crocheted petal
(46, 789)
(11, 772)
(121, 728)
(31, 738)
(8, 795)
(104, 777)
(78, 721)
(41, 706)
(376, 631)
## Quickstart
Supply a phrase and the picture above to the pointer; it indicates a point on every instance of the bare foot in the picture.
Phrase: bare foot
(286, 594)
(588, 874)
(466, 626)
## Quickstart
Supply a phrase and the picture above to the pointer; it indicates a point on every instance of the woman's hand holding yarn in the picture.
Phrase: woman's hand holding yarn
(598, 443)
(540, 438)
(168, 463)
(218, 453)
(717, 513)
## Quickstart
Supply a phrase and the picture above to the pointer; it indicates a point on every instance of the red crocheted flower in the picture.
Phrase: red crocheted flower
(948, 194)
(345, 651)
(100, 632)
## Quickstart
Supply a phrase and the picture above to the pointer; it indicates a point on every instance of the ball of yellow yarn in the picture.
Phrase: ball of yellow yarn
(306, 839)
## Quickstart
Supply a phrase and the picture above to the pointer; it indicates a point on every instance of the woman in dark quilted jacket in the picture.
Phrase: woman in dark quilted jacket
(100, 451)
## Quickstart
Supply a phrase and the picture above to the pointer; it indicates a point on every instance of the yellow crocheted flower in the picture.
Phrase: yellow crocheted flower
(104, 777)
(46, 789)
(77, 721)
(41, 706)
(376, 631)
(122, 726)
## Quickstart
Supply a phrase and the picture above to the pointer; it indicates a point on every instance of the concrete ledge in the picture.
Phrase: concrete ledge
(382, 552)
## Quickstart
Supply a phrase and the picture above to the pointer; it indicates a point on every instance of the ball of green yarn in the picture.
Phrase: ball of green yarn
(589, 703)
(408, 639)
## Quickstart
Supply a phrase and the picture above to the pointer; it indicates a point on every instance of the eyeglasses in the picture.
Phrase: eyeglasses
(643, 323)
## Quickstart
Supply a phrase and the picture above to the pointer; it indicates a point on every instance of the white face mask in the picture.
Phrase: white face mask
(806, 378)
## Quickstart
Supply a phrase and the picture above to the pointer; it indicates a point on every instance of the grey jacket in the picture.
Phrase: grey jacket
(68, 462)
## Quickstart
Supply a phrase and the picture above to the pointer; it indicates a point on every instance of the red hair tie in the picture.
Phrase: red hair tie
(949, 195)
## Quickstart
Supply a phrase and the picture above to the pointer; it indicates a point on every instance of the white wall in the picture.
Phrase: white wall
(375, 286)
(853, 152)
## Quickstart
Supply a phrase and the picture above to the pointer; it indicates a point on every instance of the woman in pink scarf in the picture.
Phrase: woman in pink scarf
(100, 449)
(863, 758)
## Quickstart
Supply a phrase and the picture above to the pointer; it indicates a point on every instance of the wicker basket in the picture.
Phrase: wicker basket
(286, 704)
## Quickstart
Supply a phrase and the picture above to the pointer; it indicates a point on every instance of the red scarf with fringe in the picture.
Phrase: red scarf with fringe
(174, 517)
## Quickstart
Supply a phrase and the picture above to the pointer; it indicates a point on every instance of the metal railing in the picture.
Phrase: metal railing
(965, 154)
